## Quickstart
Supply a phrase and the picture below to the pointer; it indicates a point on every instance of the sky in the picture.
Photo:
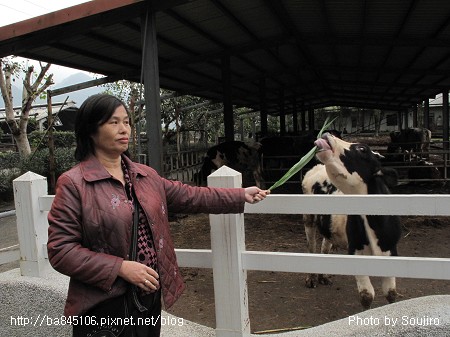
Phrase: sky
(19, 10)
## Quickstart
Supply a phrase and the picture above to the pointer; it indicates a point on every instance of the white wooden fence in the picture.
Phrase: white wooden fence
(228, 256)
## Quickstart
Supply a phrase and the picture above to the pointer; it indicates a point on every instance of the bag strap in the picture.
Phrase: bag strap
(133, 253)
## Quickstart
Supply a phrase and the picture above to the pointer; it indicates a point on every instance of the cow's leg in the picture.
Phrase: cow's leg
(389, 289)
(388, 284)
(365, 288)
(310, 231)
(325, 249)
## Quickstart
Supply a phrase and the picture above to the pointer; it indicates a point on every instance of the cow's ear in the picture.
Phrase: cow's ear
(390, 176)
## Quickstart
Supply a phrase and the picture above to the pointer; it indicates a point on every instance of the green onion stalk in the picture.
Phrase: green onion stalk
(304, 160)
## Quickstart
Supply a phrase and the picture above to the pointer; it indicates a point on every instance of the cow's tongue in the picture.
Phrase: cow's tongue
(322, 144)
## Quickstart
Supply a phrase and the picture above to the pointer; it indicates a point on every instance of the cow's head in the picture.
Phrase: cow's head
(353, 167)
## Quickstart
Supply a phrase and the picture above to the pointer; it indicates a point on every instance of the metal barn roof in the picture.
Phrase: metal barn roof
(314, 53)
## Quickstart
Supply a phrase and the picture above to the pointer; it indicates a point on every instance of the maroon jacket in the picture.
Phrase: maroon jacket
(90, 228)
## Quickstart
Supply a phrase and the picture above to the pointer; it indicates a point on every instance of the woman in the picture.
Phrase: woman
(96, 205)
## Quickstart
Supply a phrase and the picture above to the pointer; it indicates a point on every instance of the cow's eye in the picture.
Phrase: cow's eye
(362, 149)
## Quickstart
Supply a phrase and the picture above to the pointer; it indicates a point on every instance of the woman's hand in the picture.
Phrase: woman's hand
(254, 194)
(140, 275)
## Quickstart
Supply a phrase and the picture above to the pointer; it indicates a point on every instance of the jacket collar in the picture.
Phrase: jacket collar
(93, 170)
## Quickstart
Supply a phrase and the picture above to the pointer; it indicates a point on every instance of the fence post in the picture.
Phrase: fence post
(32, 224)
(230, 279)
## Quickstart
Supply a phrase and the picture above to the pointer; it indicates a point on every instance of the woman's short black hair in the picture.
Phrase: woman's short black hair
(95, 111)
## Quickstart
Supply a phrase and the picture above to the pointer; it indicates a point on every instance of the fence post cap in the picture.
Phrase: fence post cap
(224, 171)
(30, 176)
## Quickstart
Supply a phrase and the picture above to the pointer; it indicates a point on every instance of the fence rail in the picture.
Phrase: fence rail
(9, 254)
(183, 165)
(228, 257)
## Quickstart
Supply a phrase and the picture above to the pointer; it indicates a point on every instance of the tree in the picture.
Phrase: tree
(31, 90)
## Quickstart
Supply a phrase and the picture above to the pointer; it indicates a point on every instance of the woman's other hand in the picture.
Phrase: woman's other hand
(140, 275)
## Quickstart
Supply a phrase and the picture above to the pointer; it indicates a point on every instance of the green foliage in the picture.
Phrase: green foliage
(9, 163)
(9, 160)
(124, 90)
(32, 125)
(12, 166)
(62, 139)
(39, 161)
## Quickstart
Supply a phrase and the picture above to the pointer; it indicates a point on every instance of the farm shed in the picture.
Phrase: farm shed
(275, 57)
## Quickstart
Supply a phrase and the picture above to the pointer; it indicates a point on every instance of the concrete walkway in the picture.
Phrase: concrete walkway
(33, 307)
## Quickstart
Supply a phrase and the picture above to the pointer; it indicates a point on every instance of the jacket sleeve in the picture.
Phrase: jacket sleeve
(65, 250)
(184, 198)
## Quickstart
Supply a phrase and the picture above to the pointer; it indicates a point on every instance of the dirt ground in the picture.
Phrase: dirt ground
(281, 300)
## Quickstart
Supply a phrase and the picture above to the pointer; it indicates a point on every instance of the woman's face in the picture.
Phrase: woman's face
(113, 136)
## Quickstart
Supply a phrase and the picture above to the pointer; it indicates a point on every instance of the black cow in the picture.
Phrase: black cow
(280, 153)
(423, 169)
(409, 143)
(242, 157)
(352, 168)
(409, 148)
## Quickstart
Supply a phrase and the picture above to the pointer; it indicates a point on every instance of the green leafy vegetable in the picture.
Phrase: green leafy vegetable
(304, 160)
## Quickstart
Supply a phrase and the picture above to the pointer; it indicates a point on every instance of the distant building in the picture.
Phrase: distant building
(64, 116)
(436, 113)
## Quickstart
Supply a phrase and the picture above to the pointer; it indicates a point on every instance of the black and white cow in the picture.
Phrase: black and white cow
(240, 156)
(352, 168)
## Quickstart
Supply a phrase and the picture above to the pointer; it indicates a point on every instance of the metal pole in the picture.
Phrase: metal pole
(445, 118)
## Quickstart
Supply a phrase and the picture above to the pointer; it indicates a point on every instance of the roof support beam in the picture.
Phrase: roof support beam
(426, 114)
(80, 86)
(151, 85)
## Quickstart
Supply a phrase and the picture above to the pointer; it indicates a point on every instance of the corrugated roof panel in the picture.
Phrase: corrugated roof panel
(345, 18)
(287, 54)
(347, 55)
(183, 36)
(213, 22)
(401, 57)
(261, 60)
(324, 50)
(385, 17)
(432, 57)
(322, 54)
(373, 56)
(305, 16)
(427, 19)
(257, 17)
